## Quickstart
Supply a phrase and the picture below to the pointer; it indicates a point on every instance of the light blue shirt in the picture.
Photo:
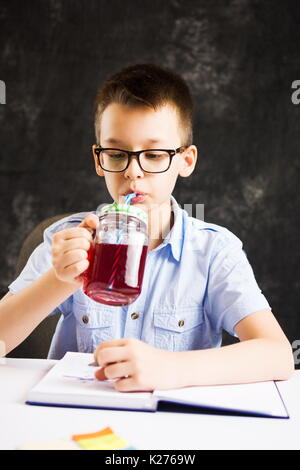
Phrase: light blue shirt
(196, 283)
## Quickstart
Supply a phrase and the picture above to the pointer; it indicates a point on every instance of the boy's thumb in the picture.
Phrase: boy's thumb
(90, 222)
(100, 375)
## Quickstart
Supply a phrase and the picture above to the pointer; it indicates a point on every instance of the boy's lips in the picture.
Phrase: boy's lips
(139, 198)
(130, 191)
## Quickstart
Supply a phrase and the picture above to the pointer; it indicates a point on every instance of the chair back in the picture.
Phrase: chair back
(38, 343)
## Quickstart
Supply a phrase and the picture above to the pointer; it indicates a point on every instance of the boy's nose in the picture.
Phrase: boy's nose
(134, 170)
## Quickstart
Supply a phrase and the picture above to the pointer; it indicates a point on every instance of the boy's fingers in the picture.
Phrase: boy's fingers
(76, 244)
(109, 344)
(129, 384)
(111, 355)
(113, 371)
(112, 342)
(70, 233)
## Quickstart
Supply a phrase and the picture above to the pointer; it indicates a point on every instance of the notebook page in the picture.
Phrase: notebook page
(72, 381)
(259, 397)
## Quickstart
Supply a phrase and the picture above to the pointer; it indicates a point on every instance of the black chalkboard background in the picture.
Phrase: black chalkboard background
(239, 58)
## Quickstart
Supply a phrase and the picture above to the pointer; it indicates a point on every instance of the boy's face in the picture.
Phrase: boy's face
(138, 128)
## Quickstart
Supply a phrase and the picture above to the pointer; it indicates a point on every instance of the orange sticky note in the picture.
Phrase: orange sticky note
(94, 435)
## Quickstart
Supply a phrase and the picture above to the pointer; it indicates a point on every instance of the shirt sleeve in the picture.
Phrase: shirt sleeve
(232, 292)
(40, 261)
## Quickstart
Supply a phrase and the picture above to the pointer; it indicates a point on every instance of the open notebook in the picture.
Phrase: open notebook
(71, 382)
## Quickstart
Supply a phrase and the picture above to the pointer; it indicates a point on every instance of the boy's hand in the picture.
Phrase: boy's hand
(137, 366)
(70, 250)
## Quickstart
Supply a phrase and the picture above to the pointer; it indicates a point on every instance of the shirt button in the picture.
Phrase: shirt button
(85, 319)
(134, 316)
(181, 323)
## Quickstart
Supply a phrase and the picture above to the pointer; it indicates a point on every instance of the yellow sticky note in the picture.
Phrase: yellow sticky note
(111, 442)
(105, 439)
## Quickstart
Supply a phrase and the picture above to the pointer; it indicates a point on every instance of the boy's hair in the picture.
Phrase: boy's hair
(147, 85)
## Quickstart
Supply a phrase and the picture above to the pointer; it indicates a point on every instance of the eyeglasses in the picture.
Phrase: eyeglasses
(150, 160)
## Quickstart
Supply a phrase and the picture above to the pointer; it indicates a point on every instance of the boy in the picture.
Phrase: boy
(197, 278)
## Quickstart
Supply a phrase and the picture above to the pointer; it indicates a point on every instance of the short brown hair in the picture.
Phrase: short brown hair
(147, 85)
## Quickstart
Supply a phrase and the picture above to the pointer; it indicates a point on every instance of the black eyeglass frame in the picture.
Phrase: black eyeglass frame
(171, 153)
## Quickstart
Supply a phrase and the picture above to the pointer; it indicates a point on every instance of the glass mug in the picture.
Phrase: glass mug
(117, 255)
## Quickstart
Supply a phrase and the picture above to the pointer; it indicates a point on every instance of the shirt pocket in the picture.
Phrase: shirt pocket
(180, 330)
(94, 324)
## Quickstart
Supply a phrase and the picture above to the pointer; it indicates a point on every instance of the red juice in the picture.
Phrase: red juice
(115, 273)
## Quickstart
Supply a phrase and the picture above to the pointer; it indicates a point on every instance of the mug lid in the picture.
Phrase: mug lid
(124, 209)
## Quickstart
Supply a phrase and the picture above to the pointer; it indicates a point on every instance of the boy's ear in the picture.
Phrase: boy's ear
(189, 159)
(98, 168)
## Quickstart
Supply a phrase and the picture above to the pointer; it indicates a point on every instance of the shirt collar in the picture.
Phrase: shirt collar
(175, 237)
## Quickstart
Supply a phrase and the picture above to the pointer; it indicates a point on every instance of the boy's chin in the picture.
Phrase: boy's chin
(152, 206)
(142, 205)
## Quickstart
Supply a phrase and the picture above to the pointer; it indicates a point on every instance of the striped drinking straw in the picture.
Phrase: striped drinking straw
(128, 198)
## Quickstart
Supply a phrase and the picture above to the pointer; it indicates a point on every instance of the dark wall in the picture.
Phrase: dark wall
(239, 58)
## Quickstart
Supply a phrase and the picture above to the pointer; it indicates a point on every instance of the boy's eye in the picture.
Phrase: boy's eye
(116, 155)
(154, 155)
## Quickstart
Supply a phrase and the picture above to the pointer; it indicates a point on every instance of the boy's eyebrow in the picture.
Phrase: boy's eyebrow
(113, 141)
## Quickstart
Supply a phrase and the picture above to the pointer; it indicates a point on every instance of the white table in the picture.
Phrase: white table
(22, 424)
